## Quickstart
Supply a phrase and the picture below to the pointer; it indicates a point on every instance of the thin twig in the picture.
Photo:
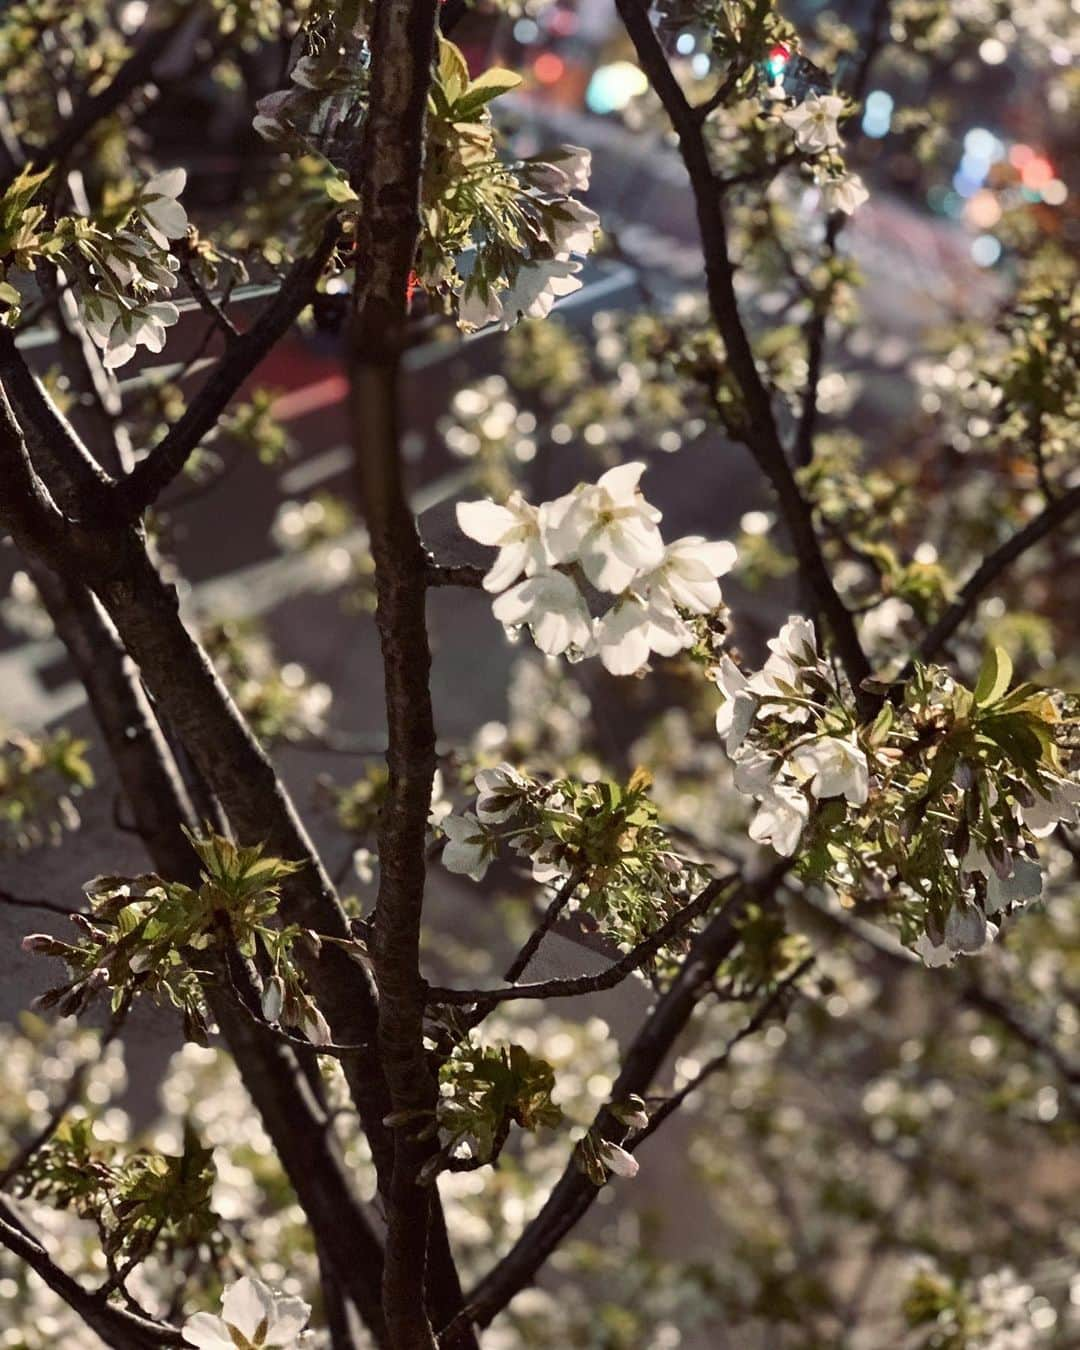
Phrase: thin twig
(203, 298)
(719, 1061)
(576, 985)
(760, 432)
(117, 1327)
(988, 571)
(560, 900)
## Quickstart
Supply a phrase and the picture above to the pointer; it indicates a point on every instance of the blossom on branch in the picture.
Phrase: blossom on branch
(466, 850)
(814, 122)
(845, 193)
(159, 208)
(607, 535)
(835, 767)
(252, 1316)
(514, 529)
(608, 527)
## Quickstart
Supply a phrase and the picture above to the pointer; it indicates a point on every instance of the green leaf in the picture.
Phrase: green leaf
(994, 678)
(879, 732)
(453, 72)
(8, 294)
(339, 191)
(1018, 736)
(484, 88)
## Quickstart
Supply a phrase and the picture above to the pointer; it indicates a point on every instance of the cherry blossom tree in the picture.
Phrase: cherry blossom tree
(832, 857)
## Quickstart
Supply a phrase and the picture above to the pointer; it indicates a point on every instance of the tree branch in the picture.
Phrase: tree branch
(142, 487)
(33, 902)
(531, 945)
(576, 985)
(181, 680)
(203, 298)
(116, 1326)
(761, 434)
(454, 574)
(386, 174)
(720, 1061)
(574, 1193)
(988, 571)
(270, 1070)
(815, 333)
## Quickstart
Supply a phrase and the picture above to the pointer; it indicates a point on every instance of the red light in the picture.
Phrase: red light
(549, 68)
(777, 59)
(1020, 155)
(1037, 172)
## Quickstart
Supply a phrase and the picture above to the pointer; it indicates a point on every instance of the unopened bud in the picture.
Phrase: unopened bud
(617, 1159)
(273, 999)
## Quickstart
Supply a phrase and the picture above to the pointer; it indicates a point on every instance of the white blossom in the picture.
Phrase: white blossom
(846, 193)
(466, 850)
(514, 529)
(966, 929)
(736, 714)
(119, 330)
(567, 170)
(1062, 805)
(252, 1316)
(780, 819)
(1018, 882)
(268, 121)
(499, 793)
(440, 803)
(814, 122)
(273, 998)
(608, 527)
(633, 629)
(934, 954)
(754, 773)
(159, 208)
(553, 609)
(315, 1026)
(536, 288)
(364, 865)
(689, 570)
(578, 234)
(835, 767)
(781, 677)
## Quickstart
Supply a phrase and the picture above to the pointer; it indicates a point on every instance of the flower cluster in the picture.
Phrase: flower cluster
(933, 811)
(602, 537)
(483, 1090)
(119, 266)
(498, 238)
(138, 1198)
(125, 274)
(815, 124)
